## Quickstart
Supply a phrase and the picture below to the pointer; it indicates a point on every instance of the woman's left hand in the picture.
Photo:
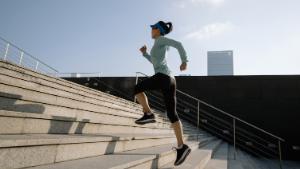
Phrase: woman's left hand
(183, 66)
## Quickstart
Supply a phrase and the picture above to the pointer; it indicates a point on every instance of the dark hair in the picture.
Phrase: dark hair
(166, 26)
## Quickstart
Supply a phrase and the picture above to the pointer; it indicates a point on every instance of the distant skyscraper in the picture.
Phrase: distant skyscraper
(219, 63)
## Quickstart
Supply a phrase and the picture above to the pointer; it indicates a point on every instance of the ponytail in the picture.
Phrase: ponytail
(167, 27)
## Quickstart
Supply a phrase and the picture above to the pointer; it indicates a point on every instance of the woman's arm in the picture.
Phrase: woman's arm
(143, 49)
(176, 44)
(147, 56)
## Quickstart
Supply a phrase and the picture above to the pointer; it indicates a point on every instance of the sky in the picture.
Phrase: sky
(105, 35)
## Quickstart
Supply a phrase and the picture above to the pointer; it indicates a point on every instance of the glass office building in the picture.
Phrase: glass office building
(219, 63)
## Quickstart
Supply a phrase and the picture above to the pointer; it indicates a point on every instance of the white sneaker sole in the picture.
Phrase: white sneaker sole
(146, 121)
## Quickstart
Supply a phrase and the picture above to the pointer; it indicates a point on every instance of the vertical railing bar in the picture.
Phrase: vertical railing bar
(234, 139)
(36, 66)
(280, 155)
(198, 114)
(6, 51)
(136, 81)
(165, 118)
(21, 58)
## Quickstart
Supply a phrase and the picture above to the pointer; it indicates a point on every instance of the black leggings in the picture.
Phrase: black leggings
(167, 85)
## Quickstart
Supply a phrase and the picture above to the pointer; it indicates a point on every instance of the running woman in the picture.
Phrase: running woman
(164, 81)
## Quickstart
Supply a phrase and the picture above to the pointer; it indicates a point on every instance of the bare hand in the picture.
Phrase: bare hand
(143, 49)
(183, 66)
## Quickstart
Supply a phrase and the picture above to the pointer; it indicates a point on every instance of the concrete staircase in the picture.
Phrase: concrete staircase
(48, 122)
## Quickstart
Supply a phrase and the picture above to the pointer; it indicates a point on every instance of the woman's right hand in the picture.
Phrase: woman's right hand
(183, 66)
(143, 49)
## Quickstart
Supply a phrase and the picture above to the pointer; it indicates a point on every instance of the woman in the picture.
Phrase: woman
(163, 80)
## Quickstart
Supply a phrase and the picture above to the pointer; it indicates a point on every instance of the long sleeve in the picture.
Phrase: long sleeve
(147, 56)
(170, 42)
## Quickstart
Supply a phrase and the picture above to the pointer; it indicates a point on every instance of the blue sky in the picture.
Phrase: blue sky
(104, 36)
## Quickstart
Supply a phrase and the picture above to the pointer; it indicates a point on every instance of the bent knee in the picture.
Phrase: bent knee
(137, 90)
(173, 117)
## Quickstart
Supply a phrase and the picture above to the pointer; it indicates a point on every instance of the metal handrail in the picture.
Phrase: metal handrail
(234, 118)
(22, 53)
(210, 116)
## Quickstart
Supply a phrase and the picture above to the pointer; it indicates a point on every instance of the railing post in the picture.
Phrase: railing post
(280, 155)
(234, 139)
(136, 81)
(21, 58)
(6, 51)
(198, 109)
(166, 117)
(36, 66)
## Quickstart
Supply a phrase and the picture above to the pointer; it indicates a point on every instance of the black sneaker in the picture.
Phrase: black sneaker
(182, 153)
(146, 119)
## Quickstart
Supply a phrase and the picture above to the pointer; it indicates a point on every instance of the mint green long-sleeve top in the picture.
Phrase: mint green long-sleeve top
(158, 54)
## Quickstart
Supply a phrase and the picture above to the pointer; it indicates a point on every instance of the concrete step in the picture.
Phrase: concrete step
(250, 161)
(39, 87)
(188, 124)
(22, 94)
(291, 164)
(30, 73)
(245, 160)
(219, 159)
(237, 163)
(20, 123)
(37, 111)
(198, 159)
(30, 77)
(19, 77)
(11, 96)
(26, 150)
(146, 158)
(17, 90)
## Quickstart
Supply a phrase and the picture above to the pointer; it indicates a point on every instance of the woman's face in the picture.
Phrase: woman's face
(155, 33)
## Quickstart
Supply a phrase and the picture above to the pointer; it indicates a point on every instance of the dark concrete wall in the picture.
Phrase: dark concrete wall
(269, 102)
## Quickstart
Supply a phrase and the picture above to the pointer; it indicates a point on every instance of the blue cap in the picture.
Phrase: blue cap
(157, 25)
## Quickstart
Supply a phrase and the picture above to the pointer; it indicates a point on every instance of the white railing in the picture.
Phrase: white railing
(11, 53)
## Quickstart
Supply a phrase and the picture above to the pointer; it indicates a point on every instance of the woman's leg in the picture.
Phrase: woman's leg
(177, 126)
(143, 100)
(169, 91)
(150, 83)
(170, 102)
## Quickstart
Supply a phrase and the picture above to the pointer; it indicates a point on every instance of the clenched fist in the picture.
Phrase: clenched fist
(183, 66)
(143, 49)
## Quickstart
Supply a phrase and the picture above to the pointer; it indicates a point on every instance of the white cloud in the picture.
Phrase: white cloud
(185, 3)
(209, 31)
(180, 4)
(212, 2)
